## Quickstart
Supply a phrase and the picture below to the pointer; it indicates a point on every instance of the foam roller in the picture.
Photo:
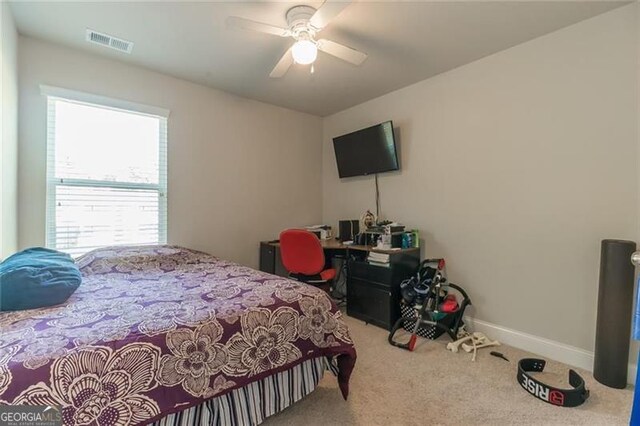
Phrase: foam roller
(613, 326)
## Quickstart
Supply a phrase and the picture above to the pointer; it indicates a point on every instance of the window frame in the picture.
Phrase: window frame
(54, 94)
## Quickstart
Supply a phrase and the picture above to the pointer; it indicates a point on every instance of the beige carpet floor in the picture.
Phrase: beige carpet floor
(432, 386)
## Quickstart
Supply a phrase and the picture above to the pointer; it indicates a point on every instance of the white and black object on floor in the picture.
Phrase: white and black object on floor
(555, 396)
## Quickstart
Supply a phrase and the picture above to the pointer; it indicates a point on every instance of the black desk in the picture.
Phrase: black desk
(373, 291)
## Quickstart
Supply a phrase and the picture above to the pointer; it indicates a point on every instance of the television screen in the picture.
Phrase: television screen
(367, 151)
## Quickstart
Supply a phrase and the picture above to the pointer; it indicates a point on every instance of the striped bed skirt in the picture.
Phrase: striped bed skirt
(252, 404)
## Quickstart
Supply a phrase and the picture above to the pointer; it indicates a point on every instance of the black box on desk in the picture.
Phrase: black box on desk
(348, 229)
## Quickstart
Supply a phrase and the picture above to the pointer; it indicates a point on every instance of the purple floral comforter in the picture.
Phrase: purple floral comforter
(155, 330)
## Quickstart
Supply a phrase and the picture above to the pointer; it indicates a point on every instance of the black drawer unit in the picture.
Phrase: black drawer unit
(373, 291)
(267, 257)
(270, 260)
(365, 271)
(371, 302)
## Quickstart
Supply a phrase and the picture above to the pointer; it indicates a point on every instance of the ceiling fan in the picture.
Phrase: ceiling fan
(304, 23)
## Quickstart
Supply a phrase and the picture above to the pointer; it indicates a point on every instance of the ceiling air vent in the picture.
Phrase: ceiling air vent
(109, 41)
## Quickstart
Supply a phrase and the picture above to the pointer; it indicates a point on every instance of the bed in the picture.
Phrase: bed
(170, 335)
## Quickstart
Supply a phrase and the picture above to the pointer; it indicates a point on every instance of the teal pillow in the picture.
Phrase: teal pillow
(37, 277)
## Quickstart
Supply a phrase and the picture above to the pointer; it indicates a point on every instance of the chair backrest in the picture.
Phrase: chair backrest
(301, 252)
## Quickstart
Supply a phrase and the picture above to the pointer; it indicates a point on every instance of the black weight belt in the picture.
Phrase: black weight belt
(555, 396)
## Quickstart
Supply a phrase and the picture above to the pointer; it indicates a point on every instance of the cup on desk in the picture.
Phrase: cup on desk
(384, 242)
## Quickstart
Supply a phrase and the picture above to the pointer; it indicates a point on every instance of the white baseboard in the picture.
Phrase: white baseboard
(547, 348)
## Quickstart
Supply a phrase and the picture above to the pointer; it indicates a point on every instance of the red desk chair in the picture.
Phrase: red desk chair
(303, 257)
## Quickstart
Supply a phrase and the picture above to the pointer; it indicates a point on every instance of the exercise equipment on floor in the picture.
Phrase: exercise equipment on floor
(430, 305)
(561, 397)
(615, 305)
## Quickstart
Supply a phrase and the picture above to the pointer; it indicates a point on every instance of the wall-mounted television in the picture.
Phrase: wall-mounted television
(366, 151)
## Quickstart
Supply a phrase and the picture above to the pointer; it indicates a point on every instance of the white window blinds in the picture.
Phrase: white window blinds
(106, 176)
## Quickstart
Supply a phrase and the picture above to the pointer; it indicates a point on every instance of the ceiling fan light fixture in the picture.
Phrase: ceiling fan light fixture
(304, 52)
(303, 25)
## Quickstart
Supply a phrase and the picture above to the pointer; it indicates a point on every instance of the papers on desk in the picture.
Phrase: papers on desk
(322, 231)
(381, 259)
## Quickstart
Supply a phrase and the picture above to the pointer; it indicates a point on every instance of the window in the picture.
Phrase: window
(106, 174)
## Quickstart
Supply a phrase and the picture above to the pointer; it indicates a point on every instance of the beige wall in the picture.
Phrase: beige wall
(239, 170)
(9, 133)
(514, 168)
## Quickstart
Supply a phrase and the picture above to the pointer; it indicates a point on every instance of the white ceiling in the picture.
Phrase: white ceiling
(406, 41)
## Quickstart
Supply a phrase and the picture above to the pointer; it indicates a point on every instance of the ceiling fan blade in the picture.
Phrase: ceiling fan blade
(341, 51)
(329, 10)
(248, 24)
(283, 65)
